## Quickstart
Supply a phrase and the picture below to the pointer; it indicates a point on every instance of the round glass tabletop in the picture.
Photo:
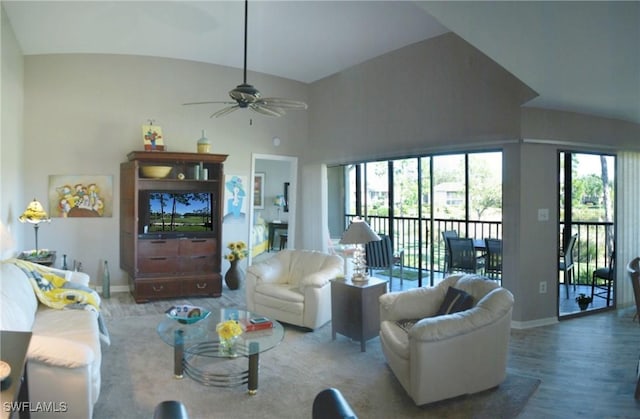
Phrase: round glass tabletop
(203, 331)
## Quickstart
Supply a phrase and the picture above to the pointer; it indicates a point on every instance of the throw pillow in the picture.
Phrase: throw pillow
(456, 300)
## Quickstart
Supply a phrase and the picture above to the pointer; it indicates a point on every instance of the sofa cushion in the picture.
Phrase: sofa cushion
(454, 301)
(19, 302)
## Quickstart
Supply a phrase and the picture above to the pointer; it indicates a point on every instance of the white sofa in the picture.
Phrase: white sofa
(294, 287)
(64, 356)
(449, 355)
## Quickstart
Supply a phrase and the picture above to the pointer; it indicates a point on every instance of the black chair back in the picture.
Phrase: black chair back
(493, 262)
(379, 254)
(462, 255)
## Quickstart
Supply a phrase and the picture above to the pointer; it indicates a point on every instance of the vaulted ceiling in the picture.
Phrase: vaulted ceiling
(578, 56)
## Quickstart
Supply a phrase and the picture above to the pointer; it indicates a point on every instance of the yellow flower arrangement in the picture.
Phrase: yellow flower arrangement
(228, 329)
(238, 251)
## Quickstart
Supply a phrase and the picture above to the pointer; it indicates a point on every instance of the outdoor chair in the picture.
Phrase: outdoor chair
(462, 256)
(566, 263)
(493, 258)
(602, 280)
(633, 269)
(446, 235)
(380, 255)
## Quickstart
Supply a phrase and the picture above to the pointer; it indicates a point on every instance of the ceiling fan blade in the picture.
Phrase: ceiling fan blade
(226, 102)
(266, 110)
(225, 111)
(283, 103)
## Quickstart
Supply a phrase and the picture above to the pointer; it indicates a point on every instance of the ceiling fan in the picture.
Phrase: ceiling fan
(247, 96)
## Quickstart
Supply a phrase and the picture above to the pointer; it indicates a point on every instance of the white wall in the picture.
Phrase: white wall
(442, 95)
(83, 114)
(12, 197)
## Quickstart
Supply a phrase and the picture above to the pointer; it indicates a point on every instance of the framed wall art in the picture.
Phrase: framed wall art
(80, 196)
(152, 138)
(234, 198)
(258, 191)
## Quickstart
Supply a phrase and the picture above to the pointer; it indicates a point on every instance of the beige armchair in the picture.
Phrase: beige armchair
(437, 357)
(293, 287)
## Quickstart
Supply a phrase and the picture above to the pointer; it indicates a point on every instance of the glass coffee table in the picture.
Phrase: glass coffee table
(197, 350)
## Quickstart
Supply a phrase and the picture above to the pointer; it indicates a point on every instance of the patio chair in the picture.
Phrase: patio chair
(380, 255)
(446, 235)
(633, 269)
(493, 258)
(566, 263)
(462, 256)
(602, 280)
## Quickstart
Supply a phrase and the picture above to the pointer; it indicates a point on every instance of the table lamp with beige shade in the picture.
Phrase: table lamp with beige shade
(359, 233)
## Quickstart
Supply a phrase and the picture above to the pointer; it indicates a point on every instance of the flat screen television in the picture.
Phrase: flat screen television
(176, 213)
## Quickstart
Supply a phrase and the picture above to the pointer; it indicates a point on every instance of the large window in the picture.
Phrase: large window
(414, 199)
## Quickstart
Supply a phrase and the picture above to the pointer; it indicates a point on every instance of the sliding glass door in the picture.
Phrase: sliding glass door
(586, 230)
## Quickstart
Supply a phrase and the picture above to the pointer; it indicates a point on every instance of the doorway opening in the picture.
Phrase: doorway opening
(273, 204)
(586, 232)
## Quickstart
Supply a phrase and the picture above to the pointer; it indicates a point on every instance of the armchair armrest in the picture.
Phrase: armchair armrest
(59, 352)
(415, 303)
(72, 276)
(267, 271)
(492, 307)
(320, 278)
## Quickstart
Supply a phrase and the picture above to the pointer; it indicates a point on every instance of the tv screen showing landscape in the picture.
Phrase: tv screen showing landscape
(179, 212)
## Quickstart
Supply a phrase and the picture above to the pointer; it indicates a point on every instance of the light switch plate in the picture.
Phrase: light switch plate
(543, 214)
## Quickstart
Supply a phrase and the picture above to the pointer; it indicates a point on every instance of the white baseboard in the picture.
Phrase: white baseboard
(115, 288)
(534, 323)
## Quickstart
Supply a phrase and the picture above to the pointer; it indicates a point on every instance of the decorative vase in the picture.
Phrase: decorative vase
(204, 145)
(228, 346)
(233, 276)
(583, 306)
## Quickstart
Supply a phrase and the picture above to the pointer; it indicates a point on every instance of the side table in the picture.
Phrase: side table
(13, 348)
(273, 226)
(355, 308)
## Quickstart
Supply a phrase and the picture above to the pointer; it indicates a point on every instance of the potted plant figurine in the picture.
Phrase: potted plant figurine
(583, 301)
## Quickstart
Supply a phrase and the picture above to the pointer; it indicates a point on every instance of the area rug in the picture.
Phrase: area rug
(137, 374)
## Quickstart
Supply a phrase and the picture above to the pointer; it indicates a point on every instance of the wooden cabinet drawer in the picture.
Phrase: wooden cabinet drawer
(197, 247)
(204, 264)
(152, 289)
(211, 286)
(157, 248)
(158, 265)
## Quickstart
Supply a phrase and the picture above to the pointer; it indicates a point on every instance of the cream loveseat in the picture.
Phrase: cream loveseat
(293, 287)
(64, 356)
(437, 357)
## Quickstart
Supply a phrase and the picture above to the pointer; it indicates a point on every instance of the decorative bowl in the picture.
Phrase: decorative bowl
(187, 314)
(155, 172)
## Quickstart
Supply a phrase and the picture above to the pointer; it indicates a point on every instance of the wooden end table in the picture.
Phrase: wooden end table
(355, 308)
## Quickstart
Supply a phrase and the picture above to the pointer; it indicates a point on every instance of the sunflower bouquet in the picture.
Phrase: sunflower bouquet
(238, 251)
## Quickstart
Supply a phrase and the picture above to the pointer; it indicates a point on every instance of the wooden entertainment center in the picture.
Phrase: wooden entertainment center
(163, 257)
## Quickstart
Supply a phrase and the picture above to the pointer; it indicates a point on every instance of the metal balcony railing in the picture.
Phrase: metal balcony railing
(424, 248)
